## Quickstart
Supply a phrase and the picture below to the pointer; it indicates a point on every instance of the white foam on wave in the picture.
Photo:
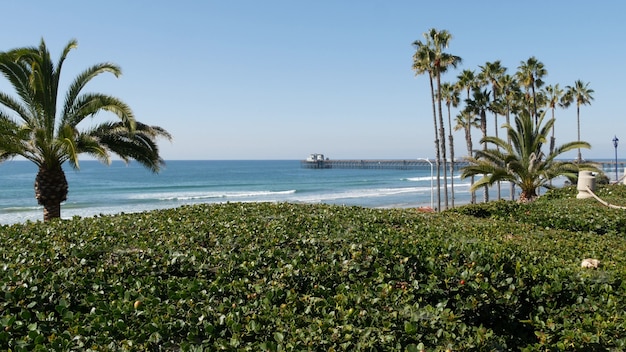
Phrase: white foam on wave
(427, 178)
(360, 193)
(199, 196)
(20, 209)
(417, 179)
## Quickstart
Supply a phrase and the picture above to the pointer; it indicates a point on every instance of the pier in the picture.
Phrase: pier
(406, 164)
(609, 165)
(413, 164)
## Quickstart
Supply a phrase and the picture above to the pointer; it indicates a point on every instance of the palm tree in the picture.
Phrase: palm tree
(466, 81)
(451, 96)
(31, 127)
(554, 95)
(511, 97)
(529, 75)
(582, 95)
(429, 57)
(422, 63)
(497, 106)
(523, 161)
(491, 73)
(439, 40)
(465, 120)
(478, 105)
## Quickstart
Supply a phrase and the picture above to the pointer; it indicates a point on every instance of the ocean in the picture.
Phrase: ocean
(100, 189)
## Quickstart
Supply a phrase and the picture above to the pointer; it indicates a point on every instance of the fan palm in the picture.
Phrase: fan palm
(450, 94)
(523, 161)
(491, 73)
(582, 95)
(554, 94)
(440, 40)
(32, 129)
(422, 64)
(429, 57)
(466, 81)
(466, 120)
(478, 105)
(530, 74)
(512, 98)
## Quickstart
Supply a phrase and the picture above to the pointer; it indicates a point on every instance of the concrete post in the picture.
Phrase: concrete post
(585, 179)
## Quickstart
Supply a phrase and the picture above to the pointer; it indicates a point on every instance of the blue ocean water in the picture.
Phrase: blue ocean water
(99, 189)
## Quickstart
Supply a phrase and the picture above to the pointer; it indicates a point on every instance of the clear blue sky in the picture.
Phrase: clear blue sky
(279, 79)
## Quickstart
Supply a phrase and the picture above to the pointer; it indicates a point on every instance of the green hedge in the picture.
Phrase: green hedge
(276, 277)
(559, 209)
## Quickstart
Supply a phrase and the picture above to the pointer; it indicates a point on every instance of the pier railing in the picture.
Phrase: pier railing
(406, 164)
(411, 164)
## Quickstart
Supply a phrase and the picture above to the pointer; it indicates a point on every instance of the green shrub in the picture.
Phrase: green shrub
(274, 277)
(559, 209)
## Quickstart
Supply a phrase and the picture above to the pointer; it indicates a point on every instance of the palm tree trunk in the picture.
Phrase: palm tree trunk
(51, 211)
(470, 151)
(535, 104)
(495, 118)
(437, 154)
(508, 121)
(438, 166)
(451, 141)
(483, 127)
(442, 138)
(580, 158)
(527, 195)
(51, 189)
(552, 140)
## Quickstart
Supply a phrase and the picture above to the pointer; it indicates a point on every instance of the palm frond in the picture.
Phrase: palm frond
(80, 82)
(139, 144)
(522, 162)
(88, 105)
(90, 145)
(17, 73)
(18, 108)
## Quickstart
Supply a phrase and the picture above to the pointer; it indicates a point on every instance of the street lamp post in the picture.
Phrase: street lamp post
(431, 180)
(615, 141)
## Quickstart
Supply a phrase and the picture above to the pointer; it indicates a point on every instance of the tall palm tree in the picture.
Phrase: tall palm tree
(466, 81)
(529, 75)
(478, 105)
(511, 97)
(439, 40)
(31, 127)
(429, 57)
(422, 64)
(582, 95)
(491, 73)
(466, 120)
(523, 161)
(451, 96)
(554, 95)
(497, 106)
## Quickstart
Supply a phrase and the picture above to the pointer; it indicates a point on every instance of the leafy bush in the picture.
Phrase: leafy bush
(275, 277)
(559, 209)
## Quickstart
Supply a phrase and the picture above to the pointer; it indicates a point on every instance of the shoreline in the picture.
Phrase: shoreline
(419, 206)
